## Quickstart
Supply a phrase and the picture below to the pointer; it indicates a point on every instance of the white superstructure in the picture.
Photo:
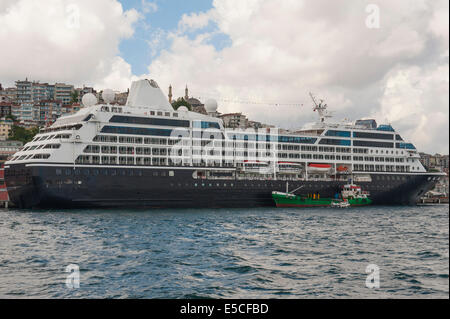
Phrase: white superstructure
(147, 132)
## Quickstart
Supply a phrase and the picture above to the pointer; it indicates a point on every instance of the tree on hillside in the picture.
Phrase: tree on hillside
(181, 102)
(74, 97)
(11, 117)
(22, 134)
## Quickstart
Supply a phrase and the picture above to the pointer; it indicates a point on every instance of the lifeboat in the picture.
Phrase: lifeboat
(342, 168)
(256, 167)
(289, 168)
(319, 168)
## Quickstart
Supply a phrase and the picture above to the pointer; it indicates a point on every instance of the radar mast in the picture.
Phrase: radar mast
(321, 108)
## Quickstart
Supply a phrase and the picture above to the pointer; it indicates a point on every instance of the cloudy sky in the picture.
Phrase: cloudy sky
(388, 60)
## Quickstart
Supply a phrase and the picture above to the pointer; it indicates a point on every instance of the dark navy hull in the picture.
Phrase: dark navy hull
(89, 187)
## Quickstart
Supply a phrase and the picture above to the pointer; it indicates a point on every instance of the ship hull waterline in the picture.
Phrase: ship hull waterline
(40, 186)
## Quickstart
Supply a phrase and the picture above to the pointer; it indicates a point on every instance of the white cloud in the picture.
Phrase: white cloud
(194, 21)
(278, 52)
(281, 50)
(157, 40)
(58, 40)
(416, 100)
(149, 7)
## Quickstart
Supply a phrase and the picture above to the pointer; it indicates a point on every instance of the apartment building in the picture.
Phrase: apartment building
(5, 128)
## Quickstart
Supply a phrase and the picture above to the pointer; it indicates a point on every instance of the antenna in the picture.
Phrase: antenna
(321, 108)
(314, 100)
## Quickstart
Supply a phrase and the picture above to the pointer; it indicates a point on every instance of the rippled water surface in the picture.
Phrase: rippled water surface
(251, 253)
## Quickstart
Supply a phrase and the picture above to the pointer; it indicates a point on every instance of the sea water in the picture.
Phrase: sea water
(369, 252)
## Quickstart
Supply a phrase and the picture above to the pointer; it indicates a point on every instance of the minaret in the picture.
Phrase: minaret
(170, 94)
(186, 93)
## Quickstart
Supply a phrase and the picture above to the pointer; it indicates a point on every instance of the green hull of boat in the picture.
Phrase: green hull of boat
(283, 200)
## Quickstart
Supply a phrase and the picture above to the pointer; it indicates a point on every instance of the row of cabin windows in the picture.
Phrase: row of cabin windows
(381, 168)
(214, 152)
(149, 121)
(136, 130)
(329, 141)
(134, 140)
(272, 138)
(206, 125)
(124, 160)
(36, 147)
(310, 140)
(378, 159)
(373, 144)
(338, 133)
(50, 137)
(75, 127)
(146, 161)
(254, 145)
(373, 135)
(366, 151)
(126, 150)
(158, 141)
(315, 156)
(30, 156)
(106, 172)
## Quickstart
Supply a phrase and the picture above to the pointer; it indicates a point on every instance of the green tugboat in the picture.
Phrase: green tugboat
(351, 195)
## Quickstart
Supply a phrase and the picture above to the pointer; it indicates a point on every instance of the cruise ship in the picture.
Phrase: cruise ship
(146, 154)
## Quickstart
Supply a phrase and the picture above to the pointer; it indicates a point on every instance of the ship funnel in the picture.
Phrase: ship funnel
(146, 93)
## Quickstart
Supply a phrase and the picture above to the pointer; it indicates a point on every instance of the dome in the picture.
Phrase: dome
(182, 109)
(89, 99)
(194, 102)
(108, 96)
(211, 106)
